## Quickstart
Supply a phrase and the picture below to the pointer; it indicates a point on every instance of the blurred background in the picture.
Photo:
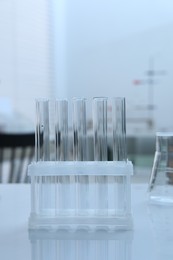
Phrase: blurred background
(62, 49)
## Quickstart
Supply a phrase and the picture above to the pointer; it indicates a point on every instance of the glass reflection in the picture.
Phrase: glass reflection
(64, 245)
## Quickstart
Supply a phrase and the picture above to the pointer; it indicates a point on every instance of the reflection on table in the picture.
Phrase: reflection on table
(151, 237)
(80, 245)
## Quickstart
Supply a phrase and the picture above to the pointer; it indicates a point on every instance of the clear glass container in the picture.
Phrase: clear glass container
(161, 180)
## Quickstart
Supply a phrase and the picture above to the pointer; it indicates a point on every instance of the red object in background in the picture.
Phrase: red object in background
(137, 82)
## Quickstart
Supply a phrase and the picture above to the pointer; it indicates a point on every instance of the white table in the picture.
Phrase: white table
(151, 238)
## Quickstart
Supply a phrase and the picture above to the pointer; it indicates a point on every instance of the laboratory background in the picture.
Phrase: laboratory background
(84, 49)
(66, 49)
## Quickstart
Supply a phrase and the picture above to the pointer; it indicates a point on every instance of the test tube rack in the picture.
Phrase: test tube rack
(69, 190)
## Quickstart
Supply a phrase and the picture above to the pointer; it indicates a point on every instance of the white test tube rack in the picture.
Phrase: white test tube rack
(79, 193)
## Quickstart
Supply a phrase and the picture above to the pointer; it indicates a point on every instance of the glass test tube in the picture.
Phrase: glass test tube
(80, 152)
(119, 129)
(100, 150)
(61, 152)
(42, 150)
(61, 130)
(79, 128)
(118, 183)
(100, 128)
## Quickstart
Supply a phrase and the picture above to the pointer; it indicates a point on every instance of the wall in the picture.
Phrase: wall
(108, 45)
(25, 56)
(86, 48)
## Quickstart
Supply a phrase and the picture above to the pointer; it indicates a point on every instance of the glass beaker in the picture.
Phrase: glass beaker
(161, 180)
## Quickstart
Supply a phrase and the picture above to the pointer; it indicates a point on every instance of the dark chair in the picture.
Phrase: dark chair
(16, 152)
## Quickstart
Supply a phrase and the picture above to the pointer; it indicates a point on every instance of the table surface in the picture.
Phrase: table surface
(151, 237)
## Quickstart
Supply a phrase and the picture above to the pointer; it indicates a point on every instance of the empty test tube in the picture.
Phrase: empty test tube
(42, 150)
(100, 150)
(61, 152)
(79, 129)
(42, 153)
(100, 128)
(80, 152)
(119, 129)
(117, 183)
(61, 130)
